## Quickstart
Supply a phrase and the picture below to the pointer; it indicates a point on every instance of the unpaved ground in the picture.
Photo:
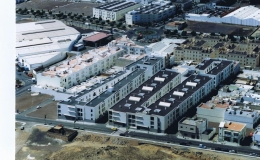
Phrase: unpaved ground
(95, 146)
(26, 101)
(41, 4)
(49, 110)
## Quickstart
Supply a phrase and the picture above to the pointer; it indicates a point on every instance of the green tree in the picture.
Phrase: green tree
(193, 33)
(103, 23)
(184, 33)
(166, 32)
(129, 26)
(123, 27)
(242, 38)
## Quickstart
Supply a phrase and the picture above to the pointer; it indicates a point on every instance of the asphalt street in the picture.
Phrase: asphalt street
(174, 139)
(27, 82)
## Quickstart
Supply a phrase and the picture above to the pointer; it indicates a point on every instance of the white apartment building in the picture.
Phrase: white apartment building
(115, 10)
(40, 44)
(77, 69)
(195, 128)
(93, 86)
(218, 69)
(132, 110)
(165, 48)
(256, 136)
(231, 131)
(212, 111)
(150, 13)
(78, 107)
(159, 115)
(242, 115)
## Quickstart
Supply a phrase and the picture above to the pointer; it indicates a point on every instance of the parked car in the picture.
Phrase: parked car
(38, 107)
(232, 151)
(114, 128)
(122, 134)
(22, 127)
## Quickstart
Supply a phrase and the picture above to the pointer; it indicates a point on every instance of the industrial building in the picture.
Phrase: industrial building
(78, 106)
(40, 44)
(95, 39)
(115, 10)
(231, 131)
(153, 12)
(145, 114)
(248, 15)
(195, 128)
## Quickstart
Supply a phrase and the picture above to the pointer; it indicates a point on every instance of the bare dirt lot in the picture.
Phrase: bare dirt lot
(82, 7)
(26, 101)
(94, 146)
(41, 4)
(49, 110)
(226, 29)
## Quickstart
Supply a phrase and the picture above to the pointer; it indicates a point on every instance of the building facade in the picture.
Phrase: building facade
(231, 132)
(153, 12)
(195, 128)
(78, 107)
(115, 10)
(159, 115)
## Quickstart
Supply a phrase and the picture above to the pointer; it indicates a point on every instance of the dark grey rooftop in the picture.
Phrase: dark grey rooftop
(146, 60)
(73, 99)
(204, 64)
(126, 105)
(220, 67)
(116, 6)
(200, 81)
(116, 87)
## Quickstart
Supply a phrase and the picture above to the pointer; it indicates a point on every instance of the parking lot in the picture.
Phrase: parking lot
(82, 7)
(26, 101)
(49, 110)
(41, 4)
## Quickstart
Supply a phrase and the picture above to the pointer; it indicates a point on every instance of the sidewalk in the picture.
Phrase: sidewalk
(208, 141)
(134, 130)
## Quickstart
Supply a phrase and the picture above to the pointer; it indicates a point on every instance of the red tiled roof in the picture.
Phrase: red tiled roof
(96, 37)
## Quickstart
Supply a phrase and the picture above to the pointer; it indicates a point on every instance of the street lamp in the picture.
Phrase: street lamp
(45, 119)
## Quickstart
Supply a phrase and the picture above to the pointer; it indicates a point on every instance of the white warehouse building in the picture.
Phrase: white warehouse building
(248, 15)
(40, 44)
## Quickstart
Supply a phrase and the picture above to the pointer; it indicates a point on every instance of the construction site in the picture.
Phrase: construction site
(35, 143)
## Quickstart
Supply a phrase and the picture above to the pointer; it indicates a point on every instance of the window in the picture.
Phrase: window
(91, 115)
(91, 110)
(58, 106)
(191, 128)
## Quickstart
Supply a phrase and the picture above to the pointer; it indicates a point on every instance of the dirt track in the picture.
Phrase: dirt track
(95, 146)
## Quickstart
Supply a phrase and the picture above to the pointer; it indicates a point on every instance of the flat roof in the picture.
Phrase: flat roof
(116, 6)
(144, 95)
(74, 100)
(175, 100)
(234, 126)
(96, 37)
(116, 87)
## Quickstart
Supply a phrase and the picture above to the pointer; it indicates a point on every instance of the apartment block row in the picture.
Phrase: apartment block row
(199, 48)
(78, 107)
(134, 110)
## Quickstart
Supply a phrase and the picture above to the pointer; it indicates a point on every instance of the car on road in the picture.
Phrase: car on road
(122, 134)
(114, 128)
(22, 127)
(184, 143)
(38, 107)
(232, 151)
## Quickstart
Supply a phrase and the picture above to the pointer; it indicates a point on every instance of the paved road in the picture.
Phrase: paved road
(95, 128)
(174, 139)
(27, 82)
